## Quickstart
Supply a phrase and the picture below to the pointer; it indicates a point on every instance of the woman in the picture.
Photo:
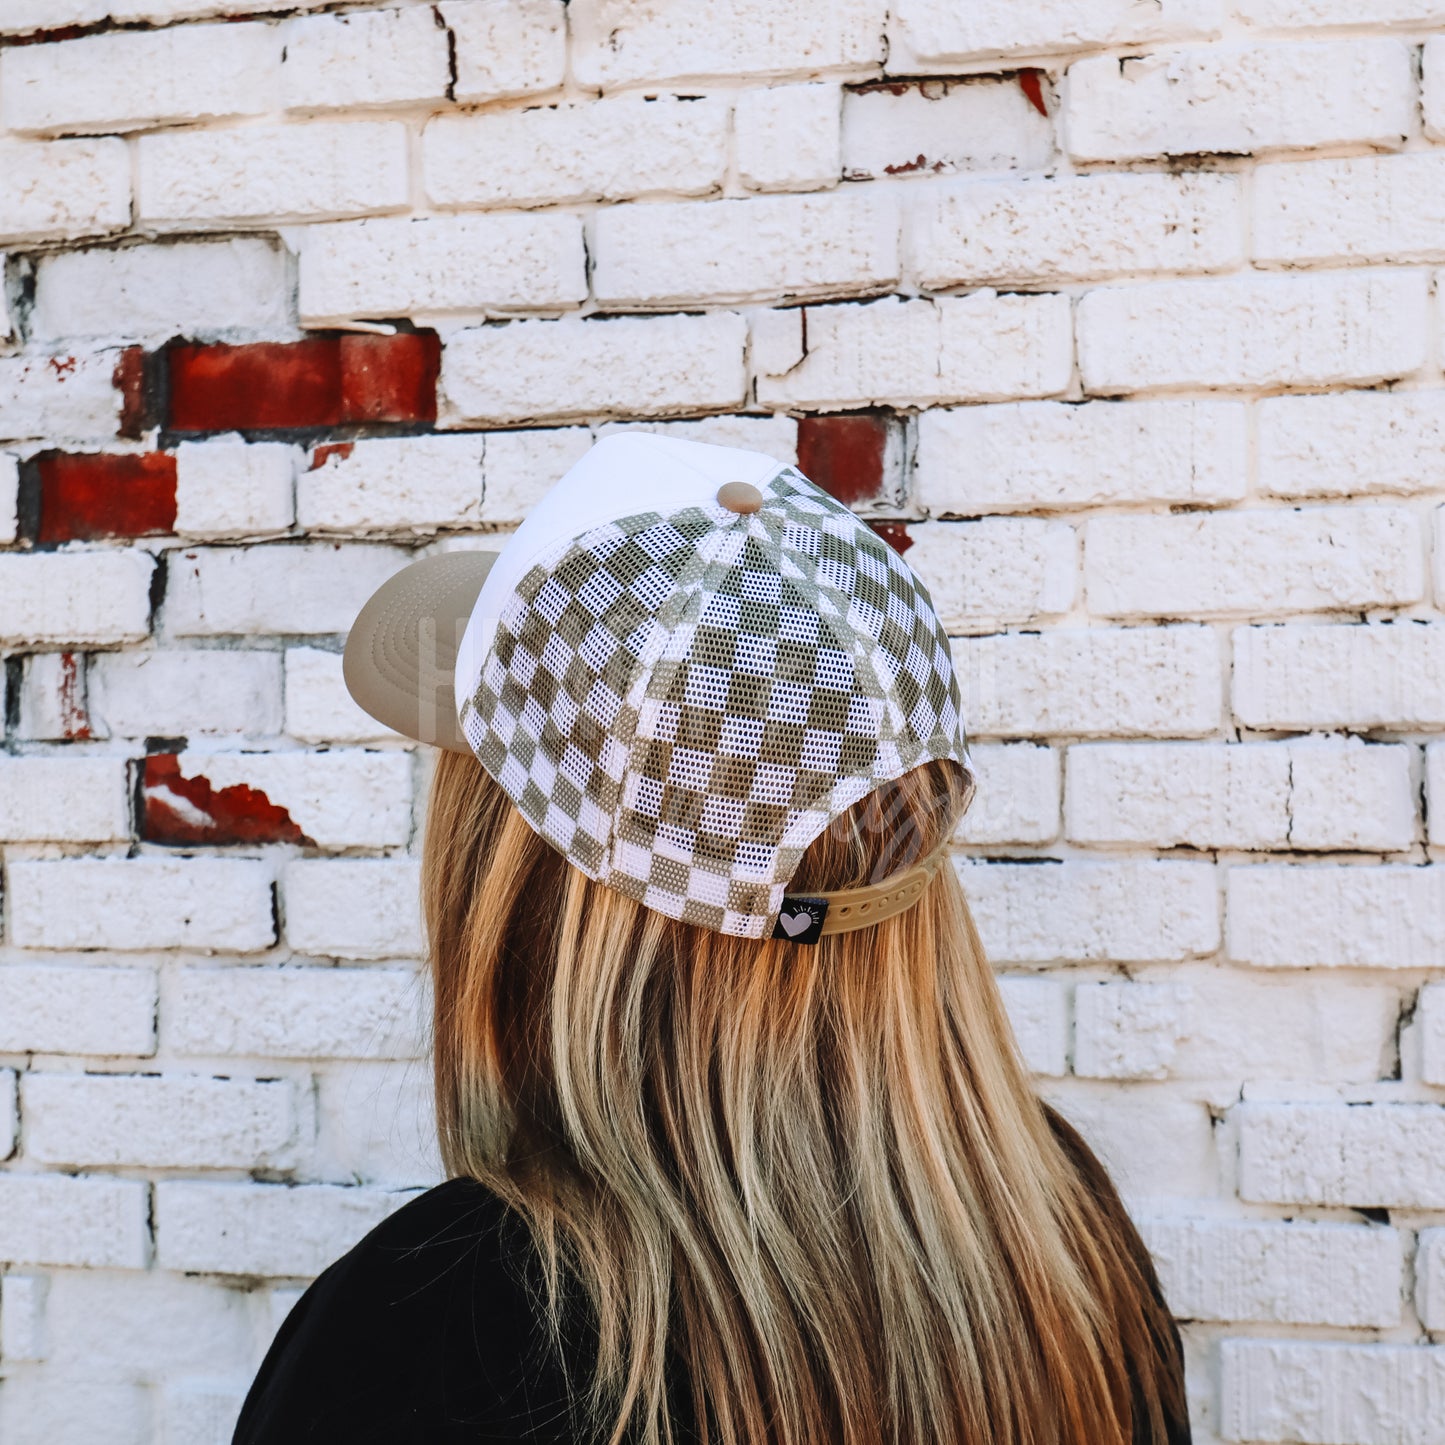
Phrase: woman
(740, 1147)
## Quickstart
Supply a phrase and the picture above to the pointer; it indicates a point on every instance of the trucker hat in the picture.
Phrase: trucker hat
(683, 664)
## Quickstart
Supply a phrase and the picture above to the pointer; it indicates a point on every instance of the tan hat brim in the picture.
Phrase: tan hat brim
(401, 654)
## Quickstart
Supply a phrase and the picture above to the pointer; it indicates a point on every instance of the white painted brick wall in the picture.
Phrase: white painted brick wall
(1019, 802)
(178, 1122)
(1164, 1151)
(1390, 916)
(225, 288)
(63, 189)
(9, 497)
(942, 127)
(1031, 455)
(506, 47)
(318, 707)
(1318, 1392)
(754, 250)
(229, 488)
(1433, 87)
(388, 267)
(132, 80)
(271, 173)
(1085, 911)
(138, 904)
(615, 45)
(1303, 1274)
(1143, 298)
(977, 348)
(24, 17)
(1038, 1012)
(22, 1320)
(119, 1322)
(1382, 208)
(1229, 1018)
(629, 146)
(261, 1229)
(37, 1408)
(311, 588)
(55, 1009)
(1080, 229)
(341, 798)
(810, 116)
(393, 485)
(1430, 1279)
(360, 908)
(1256, 331)
(566, 368)
(1435, 790)
(1349, 558)
(1005, 569)
(65, 799)
(1092, 681)
(176, 692)
(9, 1121)
(1308, 14)
(1314, 445)
(386, 57)
(70, 396)
(1430, 1021)
(1127, 1030)
(1364, 1155)
(1326, 795)
(1301, 677)
(1240, 98)
(376, 1125)
(69, 597)
(324, 1013)
(933, 33)
(73, 1220)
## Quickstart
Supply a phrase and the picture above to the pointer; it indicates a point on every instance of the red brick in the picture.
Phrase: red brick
(390, 378)
(106, 495)
(188, 811)
(845, 454)
(129, 379)
(895, 534)
(321, 381)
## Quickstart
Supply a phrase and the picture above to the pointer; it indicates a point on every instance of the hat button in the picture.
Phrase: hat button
(740, 497)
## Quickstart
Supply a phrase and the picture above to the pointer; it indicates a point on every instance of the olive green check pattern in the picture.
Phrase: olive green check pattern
(681, 703)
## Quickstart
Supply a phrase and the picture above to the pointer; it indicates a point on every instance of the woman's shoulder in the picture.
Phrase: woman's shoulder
(430, 1326)
(456, 1218)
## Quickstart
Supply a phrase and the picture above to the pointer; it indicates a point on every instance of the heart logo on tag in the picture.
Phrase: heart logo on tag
(800, 920)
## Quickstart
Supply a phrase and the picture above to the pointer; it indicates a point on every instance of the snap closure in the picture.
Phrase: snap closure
(740, 497)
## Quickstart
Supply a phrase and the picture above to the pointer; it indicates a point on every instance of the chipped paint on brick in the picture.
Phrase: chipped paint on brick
(72, 704)
(323, 454)
(186, 811)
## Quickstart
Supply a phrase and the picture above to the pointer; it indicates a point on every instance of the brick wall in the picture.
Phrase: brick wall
(1119, 317)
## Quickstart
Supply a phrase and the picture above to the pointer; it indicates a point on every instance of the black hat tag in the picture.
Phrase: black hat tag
(800, 920)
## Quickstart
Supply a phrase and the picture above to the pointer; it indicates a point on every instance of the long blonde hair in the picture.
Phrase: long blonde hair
(814, 1183)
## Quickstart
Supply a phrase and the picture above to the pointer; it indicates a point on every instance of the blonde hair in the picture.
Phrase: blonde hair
(813, 1182)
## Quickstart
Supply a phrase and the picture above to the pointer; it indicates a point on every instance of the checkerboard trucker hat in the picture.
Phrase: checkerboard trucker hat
(684, 663)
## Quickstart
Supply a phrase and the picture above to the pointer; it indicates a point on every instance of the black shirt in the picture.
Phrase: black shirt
(428, 1332)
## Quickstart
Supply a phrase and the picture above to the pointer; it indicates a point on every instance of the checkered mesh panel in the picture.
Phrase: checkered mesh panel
(681, 703)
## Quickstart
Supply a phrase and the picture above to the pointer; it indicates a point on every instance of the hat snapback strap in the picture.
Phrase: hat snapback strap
(804, 918)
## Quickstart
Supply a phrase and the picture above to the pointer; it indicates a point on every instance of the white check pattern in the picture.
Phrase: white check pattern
(681, 703)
